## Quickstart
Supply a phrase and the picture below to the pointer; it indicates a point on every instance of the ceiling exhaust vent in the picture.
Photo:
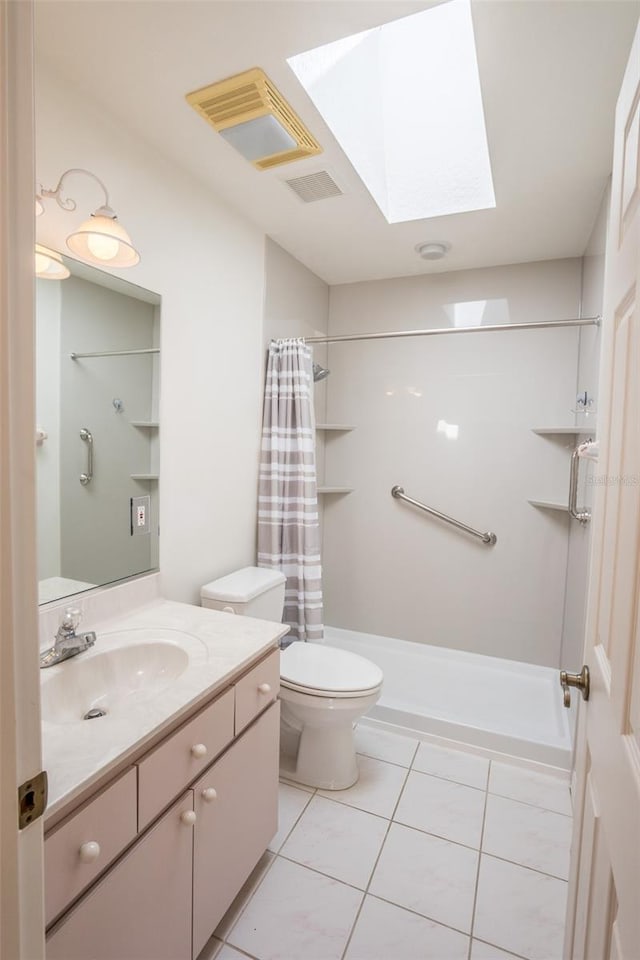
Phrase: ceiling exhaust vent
(315, 186)
(253, 116)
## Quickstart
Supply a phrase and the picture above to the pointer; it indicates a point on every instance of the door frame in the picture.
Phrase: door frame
(21, 852)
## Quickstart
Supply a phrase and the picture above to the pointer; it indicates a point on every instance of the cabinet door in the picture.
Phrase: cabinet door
(141, 910)
(236, 806)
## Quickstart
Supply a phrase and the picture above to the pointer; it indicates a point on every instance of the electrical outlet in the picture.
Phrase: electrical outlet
(140, 510)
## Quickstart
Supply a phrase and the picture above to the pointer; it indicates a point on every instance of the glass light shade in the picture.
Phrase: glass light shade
(101, 240)
(49, 265)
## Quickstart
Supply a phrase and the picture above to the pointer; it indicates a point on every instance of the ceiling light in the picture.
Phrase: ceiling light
(253, 116)
(100, 239)
(433, 251)
(49, 265)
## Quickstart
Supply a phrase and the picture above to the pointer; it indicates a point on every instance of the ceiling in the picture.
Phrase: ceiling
(549, 69)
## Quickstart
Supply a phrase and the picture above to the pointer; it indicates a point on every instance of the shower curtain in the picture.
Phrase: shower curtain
(288, 528)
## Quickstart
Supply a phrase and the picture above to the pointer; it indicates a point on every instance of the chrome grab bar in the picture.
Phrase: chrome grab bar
(87, 477)
(489, 538)
(582, 515)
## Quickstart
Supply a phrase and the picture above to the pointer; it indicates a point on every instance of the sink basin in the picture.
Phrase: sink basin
(112, 681)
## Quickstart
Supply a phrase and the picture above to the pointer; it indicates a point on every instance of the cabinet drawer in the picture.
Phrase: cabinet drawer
(257, 689)
(71, 864)
(168, 769)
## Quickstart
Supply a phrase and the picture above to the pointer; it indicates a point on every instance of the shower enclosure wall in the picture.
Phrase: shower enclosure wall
(470, 636)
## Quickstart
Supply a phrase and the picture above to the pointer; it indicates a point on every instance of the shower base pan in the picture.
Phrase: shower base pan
(501, 705)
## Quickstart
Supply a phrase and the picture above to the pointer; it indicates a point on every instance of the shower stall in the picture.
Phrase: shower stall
(476, 420)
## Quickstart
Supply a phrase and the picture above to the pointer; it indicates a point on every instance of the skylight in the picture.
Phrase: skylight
(404, 102)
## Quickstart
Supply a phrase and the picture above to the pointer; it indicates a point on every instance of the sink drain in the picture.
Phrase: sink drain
(94, 713)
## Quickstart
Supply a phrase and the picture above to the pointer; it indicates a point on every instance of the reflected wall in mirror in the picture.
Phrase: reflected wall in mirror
(97, 430)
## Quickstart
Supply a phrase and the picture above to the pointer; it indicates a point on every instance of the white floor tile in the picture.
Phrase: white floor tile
(529, 786)
(338, 840)
(452, 765)
(377, 789)
(528, 835)
(229, 953)
(384, 931)
(291, 803)
(483, 951)
(297, 914)
(447, 809)
(384, 745)
(243, 896)
(431, 876)
(298, 786)
(520, 910)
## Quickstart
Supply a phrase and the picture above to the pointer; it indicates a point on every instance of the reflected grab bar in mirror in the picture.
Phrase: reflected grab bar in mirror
(582, 515)
(489, 538)
(87, 477)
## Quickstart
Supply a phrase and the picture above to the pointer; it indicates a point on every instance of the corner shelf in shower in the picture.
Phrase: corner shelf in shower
(335, 489)
(145, 476)
(550, 505)
(145, 423)
(338, 427)
(563, 431)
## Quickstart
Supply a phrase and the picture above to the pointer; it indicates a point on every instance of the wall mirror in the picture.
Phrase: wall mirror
(97, 430)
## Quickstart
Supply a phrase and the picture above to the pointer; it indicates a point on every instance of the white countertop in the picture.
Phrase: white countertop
(220, 646)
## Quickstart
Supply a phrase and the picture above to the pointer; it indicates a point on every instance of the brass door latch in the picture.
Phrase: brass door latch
(581, 681)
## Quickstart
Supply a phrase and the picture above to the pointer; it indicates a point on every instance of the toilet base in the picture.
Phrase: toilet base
(325, 758)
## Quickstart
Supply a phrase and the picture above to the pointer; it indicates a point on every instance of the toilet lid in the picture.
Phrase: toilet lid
(319, 667)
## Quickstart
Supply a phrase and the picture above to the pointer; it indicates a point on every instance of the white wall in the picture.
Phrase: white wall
(587, 379)
(391, 570)
(48, 418)
(207, 263)
(296, 304)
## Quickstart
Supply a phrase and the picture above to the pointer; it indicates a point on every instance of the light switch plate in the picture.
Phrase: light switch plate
(140, 510)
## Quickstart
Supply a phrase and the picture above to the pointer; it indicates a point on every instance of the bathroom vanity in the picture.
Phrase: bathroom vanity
(160, 808)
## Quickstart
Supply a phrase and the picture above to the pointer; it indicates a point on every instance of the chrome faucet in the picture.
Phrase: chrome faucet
(67, 643)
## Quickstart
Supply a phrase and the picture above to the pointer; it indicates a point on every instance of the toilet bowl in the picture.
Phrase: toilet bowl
(323, 690)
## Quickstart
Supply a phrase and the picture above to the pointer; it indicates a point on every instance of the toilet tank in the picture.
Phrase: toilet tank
(251, 592)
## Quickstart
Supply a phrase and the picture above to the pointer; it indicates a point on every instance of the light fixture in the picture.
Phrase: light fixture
(253, 116)
(49, 265)
(100, 239)
(433, 251)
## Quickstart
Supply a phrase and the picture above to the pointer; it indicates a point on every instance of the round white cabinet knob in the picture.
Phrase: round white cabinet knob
(265, 688)
(209, 794)
(89, 851)
(198, 750)
(188, 818)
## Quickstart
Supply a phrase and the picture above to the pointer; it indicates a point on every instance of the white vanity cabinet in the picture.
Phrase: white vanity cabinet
(142, 906)
(176, 875)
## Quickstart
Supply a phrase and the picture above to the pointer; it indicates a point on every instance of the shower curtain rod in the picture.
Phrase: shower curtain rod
(393, 334)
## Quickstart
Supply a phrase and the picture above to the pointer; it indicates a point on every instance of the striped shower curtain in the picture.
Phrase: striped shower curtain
(288, 529)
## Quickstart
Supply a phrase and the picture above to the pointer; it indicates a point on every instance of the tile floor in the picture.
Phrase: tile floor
(435, 854)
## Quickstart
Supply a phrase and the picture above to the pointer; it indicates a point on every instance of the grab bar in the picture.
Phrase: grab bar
(87, 477)
(489, 538)
(582, 515)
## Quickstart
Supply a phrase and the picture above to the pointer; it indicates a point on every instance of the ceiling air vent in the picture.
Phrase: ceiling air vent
(315, 186)
(253, 116)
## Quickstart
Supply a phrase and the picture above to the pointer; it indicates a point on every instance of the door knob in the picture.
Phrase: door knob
(581, 681)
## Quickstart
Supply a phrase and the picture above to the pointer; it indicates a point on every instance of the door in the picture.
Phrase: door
(236, 804)
(141, 910)
(603, 919)
(21, 895)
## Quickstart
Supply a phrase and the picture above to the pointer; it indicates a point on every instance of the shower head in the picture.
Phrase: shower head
(319, 373)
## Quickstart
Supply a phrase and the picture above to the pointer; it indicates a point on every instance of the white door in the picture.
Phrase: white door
(603, 919)
(21, 901)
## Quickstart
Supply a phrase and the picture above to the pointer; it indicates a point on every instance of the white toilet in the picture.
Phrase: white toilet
(323, 690)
